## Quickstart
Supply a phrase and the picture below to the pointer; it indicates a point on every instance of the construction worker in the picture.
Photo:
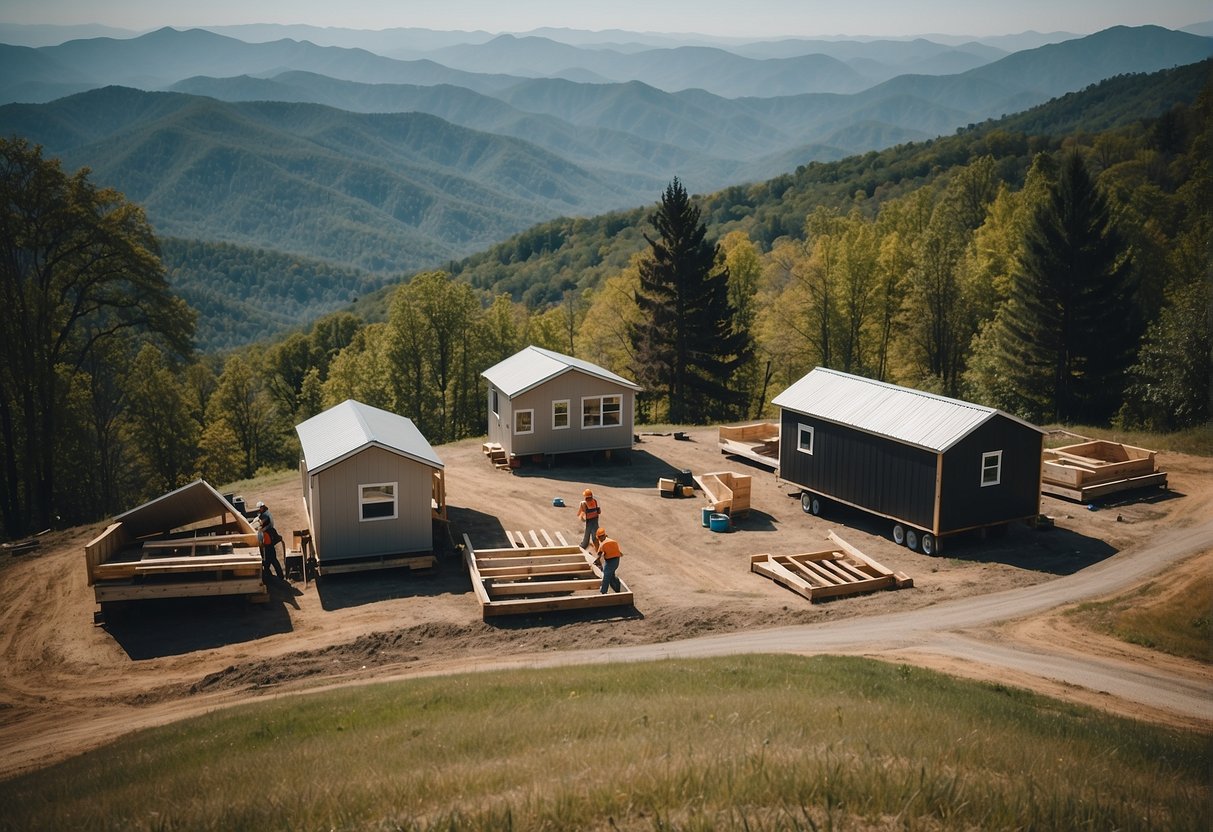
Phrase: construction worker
(609, 554)
(589, 511)
(268, 537)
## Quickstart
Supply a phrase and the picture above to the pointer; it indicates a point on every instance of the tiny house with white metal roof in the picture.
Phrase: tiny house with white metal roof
(372, 486)
(545, 402)
(933, 465)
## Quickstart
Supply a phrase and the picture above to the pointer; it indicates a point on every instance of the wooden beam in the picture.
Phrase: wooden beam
(858, 555)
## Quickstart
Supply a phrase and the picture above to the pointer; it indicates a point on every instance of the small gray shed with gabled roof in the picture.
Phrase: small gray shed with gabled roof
(372, 484)
(933, 465)
(545, 402)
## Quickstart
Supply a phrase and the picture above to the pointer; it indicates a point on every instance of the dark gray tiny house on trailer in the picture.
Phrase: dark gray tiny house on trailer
(934, 466)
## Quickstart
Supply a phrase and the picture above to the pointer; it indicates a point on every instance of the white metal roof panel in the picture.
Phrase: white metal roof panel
(349, 427)
(533, 366)
(188, 505)
(913, 417)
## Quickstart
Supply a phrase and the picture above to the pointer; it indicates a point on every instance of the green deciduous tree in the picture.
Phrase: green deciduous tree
(78, 267)
(685, 343)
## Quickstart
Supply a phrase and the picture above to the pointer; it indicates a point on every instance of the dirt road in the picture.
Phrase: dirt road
(67, 685)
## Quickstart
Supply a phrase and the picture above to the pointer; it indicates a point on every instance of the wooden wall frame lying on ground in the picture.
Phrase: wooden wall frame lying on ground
(757, 442)
(1097, 468)
(830, 573)
(537, 576)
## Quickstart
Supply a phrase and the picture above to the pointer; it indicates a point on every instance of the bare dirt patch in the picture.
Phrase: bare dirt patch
(67, 685)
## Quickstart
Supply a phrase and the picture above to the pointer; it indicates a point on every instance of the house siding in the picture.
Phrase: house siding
(966, 502)
(338, 531)
(573, 386)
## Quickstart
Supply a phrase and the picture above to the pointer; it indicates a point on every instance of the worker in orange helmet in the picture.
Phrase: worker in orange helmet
(589, 511)
(609, 555)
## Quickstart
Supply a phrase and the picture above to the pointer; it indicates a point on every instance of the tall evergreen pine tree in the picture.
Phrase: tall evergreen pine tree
(1070, 330)
(685, 345)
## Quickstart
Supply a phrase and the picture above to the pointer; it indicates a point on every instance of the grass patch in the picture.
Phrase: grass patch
(1160, 616)
(1197, 441)
(753, 742)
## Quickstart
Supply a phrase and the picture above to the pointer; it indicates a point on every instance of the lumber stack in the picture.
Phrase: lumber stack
(1095, 469)
(496, 454)
(537, 576)
(726, 492)
(830, 573)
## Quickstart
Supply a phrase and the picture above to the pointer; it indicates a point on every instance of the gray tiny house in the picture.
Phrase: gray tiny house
(372, 486)
(934, 466)
(545, 402)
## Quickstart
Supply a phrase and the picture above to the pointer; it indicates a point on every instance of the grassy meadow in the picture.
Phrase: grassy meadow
(745, 743)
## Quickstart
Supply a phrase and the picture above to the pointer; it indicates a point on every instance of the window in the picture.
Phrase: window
(495, 405)
(601, 411)
(524, 421)
(377, 501)
(991, 468)
(804, 439)
(560, 414)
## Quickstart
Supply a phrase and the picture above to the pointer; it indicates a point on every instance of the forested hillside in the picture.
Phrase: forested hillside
(1062, 276)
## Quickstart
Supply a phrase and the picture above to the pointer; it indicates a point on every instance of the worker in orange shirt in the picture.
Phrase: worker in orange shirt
(589, 511)
(609, 554)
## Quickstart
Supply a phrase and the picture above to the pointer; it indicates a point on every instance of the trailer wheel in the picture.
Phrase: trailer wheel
(928, 543)
(811, 504)
(912, 540)
(899, 534)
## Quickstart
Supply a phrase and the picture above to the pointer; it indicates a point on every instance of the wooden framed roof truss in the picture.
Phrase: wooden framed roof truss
(538, 574)
(830, 573)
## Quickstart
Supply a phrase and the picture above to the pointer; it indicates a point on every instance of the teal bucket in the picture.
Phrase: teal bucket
(707, 517)
(719, 522)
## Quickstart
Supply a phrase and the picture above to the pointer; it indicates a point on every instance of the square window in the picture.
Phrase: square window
(377, 501)
(804, 439)
(991, 468)
(611, 411)
(602, 411)
(560, 414)
(524, 421)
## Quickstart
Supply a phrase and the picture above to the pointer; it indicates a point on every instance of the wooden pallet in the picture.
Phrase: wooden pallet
(537, 575)
(830, 573)
(1097, 468)
(757, 442)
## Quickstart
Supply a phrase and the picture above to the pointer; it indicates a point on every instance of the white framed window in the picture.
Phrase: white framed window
(560, 414)
(524, 421)
(991, 468)
(496, 405)
(377, 501)
(804, 439)
(601, 411)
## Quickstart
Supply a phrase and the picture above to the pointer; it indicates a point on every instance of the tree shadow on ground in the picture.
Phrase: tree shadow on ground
(160, 627)
(356, 589)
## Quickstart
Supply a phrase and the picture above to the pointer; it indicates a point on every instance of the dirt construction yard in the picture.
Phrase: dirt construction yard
(68, 684)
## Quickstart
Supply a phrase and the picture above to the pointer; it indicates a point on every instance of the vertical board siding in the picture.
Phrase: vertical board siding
(340, 532)
(966, 503)
(572, 385)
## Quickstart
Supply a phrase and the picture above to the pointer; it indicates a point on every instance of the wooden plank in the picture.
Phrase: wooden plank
(411, 561)
(780, 574)
(535, 539)
(528, 552)
(193, 589)
(858, 555)
(554, 569)
(497, 590)
(534, 560)
(815, 566)
(547, 538)
(522, 606)
(794, 566)
(833, 567)
(469, 556)
(560, 539)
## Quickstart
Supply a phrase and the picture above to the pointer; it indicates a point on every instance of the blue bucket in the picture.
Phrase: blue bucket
(558, 502)
(719, 522)
(707, 516)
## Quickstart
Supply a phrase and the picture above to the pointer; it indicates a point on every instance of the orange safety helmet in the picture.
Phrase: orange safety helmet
(601, 533)
(587, 493)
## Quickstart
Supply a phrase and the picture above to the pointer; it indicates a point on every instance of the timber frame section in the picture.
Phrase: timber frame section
(534, 576)
(757, 442)
(830, 573)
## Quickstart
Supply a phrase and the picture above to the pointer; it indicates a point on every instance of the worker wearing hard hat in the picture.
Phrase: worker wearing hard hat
(609, 554)
(589, 511)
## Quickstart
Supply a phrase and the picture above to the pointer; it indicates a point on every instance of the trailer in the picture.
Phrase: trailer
(930, 465)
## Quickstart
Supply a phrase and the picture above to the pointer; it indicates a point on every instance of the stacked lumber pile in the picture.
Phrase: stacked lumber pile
(726, 492)
(496, 454)
(757, 442)
(533, 576)
(1095, 469)
(831, 573)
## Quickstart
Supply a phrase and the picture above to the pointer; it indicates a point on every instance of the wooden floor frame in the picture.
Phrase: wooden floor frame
(537, 575)
(831, 573)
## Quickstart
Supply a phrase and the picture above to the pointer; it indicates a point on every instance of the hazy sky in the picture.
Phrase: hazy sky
(728, 17)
